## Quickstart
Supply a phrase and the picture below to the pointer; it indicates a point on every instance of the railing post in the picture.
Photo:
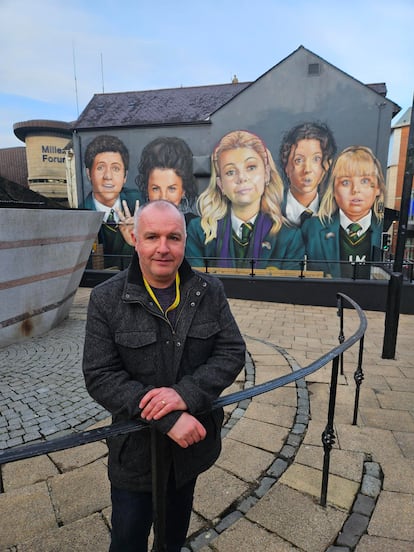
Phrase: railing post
(328, 435)
(392, 315)
(358, 377)
(252, 263)
(159, 488)
(341, 336)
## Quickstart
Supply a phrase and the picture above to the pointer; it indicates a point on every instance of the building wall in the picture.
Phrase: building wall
(46, 165)
(284, 96)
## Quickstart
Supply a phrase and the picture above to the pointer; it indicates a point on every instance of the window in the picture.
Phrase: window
(314, 69)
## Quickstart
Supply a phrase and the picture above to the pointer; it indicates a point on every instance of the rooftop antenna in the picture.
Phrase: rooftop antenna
(76, 82)
(102, 75)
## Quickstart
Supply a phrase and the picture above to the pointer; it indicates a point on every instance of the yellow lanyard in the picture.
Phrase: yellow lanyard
(176, 302)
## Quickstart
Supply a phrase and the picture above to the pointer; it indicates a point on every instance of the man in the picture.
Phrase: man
(306, 154)
(161, 344)
(106, 162)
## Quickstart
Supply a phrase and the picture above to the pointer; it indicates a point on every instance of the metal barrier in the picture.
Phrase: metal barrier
(335, 356)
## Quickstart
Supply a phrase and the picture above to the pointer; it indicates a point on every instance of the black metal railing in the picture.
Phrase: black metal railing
(252, 267)
(335, 356)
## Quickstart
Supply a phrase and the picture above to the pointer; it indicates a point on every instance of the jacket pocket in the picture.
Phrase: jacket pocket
(130, 453)
(138, 350)
(135, 339)
(200, 342)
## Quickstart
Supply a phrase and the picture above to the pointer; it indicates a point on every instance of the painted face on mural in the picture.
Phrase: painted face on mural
(165, 184)
(305, 170)
(107, 176)
(355, 195)
(242, 179)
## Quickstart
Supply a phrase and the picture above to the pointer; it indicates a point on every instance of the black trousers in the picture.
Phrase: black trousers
(132, 517)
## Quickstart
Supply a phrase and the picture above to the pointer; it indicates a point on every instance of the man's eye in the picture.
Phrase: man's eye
(116, 169)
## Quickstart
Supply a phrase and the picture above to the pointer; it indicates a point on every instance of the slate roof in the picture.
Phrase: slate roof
(14, 195)
(13, 165)
(174, 106)
(181, 106)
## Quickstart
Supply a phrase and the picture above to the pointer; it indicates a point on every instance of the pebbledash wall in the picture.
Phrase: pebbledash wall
(46, 143)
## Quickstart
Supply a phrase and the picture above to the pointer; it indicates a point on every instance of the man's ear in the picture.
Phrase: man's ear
(126, 176)
(88, 174)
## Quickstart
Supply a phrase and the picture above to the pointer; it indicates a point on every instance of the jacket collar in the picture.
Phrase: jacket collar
(135, 281)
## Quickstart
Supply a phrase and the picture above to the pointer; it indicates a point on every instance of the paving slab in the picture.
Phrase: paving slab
(314, 528)
(341, 491)
(81, 492)
(90, 533)
(393, 517)
(216, 490)
(24, 513)
(27, 472)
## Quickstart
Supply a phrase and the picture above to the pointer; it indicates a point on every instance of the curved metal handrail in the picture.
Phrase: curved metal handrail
(99, 434)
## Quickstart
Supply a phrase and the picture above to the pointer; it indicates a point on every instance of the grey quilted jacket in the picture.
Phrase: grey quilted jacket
(131, 347)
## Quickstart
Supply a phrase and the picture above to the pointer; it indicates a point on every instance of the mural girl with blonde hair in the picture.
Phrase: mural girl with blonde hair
(348, 227)
(240, 210)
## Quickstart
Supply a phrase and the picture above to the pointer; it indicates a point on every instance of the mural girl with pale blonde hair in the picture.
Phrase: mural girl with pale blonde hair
(348, 227)
(240, 210)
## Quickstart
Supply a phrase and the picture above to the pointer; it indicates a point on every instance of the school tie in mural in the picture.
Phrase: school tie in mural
(353, 230)
(305, 215)
(247, 228)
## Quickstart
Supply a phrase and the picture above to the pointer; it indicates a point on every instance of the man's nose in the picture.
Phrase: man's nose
(163, 245)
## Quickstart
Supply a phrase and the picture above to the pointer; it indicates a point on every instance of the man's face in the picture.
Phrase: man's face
(355, 195)
(107, 176)
(305, 170)
(160, 244)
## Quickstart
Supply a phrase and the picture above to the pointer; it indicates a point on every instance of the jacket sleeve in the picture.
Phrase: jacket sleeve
(224, 361)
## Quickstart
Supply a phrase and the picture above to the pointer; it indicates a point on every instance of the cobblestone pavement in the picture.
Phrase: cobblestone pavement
(264, 490)
(42, 393)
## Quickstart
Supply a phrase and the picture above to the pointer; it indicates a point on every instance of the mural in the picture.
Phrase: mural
(317, 208)
(348, 224)
(106, 162)
(306, 154)
(165, 171)
(240, 211)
